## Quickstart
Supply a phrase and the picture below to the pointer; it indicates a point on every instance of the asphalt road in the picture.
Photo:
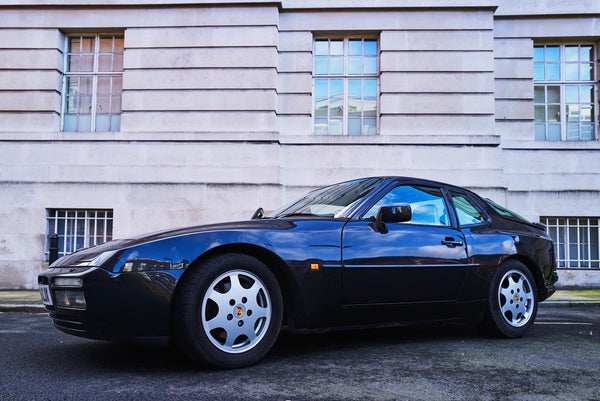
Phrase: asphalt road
(558, 360)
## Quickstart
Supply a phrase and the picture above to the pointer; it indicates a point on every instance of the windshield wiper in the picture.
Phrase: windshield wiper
(298, 214)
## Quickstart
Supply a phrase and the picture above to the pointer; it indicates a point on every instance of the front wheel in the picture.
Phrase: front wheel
(229, 311)
(513, 301)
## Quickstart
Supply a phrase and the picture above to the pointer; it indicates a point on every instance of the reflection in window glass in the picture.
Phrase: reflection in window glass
(345, 86)
(427, 204)
(564, 104)
(93, 84)
(468, 211)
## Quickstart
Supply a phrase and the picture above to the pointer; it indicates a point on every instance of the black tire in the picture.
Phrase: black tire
(228, 312)
(513, 301)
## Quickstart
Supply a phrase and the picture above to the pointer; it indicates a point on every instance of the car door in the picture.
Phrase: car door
(421, 260)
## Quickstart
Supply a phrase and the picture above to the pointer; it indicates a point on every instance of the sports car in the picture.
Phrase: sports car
(374, 251)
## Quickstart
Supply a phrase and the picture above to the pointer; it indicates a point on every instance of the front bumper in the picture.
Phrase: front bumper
(118, 306)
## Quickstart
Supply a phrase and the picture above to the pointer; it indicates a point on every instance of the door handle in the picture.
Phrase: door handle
(450, 242)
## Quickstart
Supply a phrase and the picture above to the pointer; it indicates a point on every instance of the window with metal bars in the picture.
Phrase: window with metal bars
(576, 240)
(93, 83)
(78, 228)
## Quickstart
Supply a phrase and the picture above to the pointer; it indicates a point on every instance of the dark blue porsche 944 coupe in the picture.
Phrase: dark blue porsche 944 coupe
(368, 252)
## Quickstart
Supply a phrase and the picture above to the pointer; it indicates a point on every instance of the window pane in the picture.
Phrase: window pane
(539, 94)
(105, 62)
(355, 47)
(554, 113)
(554, 94)
(354, 107)
(336, 87)
(586, 53)
(336, 47)
(572, 93)
(336, 65)
(321, 107)
(587, 94)
(321, 88)
(86, 63)
(103, 122)
(355, 66)
(84, 123)
(553, 53)
(335, 127)
(369, 108)
(539, 72)
(572, 72)
(369, 126)
(554, 132)
(571, 53)
(321, 65)
(587, 132)
(355, 87)
(553, 72)
(354, 126)
(336, 107)
(572, 112)
(586, 113)
(572, 132)
(321, 47)
(370, 87)
(540, 132)
(106, 44)
(538, 54)
(370, 65)
(540, 113)
(586, 72)
(70, 124)
(370, 48)
(320, 126)
(115, 122)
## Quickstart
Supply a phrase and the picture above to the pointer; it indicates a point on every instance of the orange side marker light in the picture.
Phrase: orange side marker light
(314, 266)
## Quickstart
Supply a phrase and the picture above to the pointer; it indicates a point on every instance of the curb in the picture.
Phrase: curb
(23, 308)
(570, 304)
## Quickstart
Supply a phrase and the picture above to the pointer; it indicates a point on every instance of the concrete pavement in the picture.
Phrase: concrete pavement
(30, 301)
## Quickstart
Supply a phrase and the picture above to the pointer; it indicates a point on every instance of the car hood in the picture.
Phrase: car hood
(85, 256)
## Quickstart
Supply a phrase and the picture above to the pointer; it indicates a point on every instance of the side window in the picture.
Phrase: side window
(468, 212)
(427, 204)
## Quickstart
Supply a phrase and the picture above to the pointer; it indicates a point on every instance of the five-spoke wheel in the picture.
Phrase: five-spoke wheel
(228, 311)
(512, 300)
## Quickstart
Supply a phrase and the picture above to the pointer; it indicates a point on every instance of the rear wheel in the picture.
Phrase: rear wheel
(229, 311)
(513, 301)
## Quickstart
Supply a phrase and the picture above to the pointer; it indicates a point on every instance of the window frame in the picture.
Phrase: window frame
(345, 77)
(562, 83)
(68, 237)
(562, 248)
(94, 74)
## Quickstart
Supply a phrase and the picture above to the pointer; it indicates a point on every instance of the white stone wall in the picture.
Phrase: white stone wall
(217, 112)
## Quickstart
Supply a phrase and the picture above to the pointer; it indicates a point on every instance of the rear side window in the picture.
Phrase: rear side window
(502, 211)
(468, 212)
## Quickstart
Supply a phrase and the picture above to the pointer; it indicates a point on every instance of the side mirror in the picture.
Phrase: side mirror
(258, 214)
(392, 214)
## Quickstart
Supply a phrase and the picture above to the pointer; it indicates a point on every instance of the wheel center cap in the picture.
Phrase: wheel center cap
(516, 298)
(239, 311)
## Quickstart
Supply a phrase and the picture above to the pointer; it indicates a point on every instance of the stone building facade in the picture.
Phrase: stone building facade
(119, 117)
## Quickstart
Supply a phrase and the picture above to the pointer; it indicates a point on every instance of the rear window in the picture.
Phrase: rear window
(504, 211)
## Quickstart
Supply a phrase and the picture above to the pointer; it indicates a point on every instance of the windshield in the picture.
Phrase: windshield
(329, 201)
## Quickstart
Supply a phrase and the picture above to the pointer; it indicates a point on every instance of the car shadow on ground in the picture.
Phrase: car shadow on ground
(125, 357)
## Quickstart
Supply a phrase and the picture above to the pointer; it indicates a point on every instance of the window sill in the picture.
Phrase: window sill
(468, 140)
(551, 145)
